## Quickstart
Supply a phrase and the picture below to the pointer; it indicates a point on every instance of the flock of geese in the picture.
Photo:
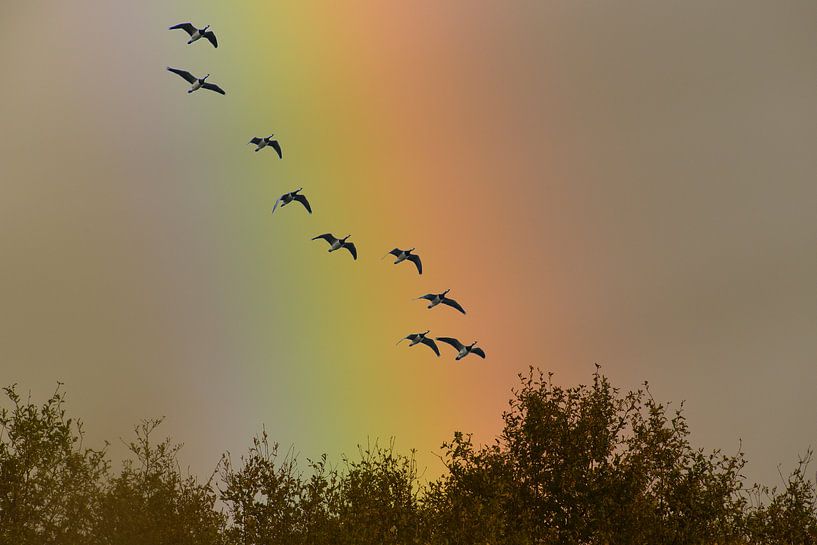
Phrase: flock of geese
(335, 243)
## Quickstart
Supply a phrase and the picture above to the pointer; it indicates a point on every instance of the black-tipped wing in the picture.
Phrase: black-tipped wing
(256, 141)
(213, 87)
(452, 341)
(478, 351)
(427, 296)
(452, 303)
(212, 37)
(327, 237)
(351, 247)
(432, 345)
(396, 252)
(416, 260)
(187, 27)
(301, 199)
(277, 147)
(183, 73)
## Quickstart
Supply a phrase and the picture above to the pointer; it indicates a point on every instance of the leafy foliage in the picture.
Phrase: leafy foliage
(588, 465)
(585, 465)
(374, 500)
(150, 501)
(49, 483)
(787, 516)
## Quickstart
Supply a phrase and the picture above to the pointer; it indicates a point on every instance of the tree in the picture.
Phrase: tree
(267, 499)
(787, 516)
(49, 482)
(375, 500)
(587, 464)
(152, 502)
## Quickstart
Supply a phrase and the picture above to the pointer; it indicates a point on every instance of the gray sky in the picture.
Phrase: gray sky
(664, 153)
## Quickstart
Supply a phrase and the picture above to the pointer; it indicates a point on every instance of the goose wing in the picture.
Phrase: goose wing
(427, 296)
(210, 35)
(256, 141)
(396, 252)
(274, 206)
(432, 345)
(478, 351)
(409, 337)
(327, 237)
(301, 199)
(351, 247)
(213, 87)
(452, 341)
(277, 147)
(190, 78)
(187, 27)
(416, 260)
(452, 303)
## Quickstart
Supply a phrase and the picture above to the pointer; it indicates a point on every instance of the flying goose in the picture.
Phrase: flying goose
(338, 243)
(462, 350)
(287, 198)
(403, 255)
(416, 338)
(196, 33)
(437, 298)
(197, 83)
(261, 143)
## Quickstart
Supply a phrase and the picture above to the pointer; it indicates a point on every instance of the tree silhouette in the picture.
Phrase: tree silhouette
(583, 465)
(49, 483)
(150, 501)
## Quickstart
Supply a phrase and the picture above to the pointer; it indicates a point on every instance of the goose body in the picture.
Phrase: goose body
(462, 349)
(196, 33)
(287, 198)
(261, 143)
(338, 243)
(417, 338)
(403, 255)
(196, 83)
(435, 299)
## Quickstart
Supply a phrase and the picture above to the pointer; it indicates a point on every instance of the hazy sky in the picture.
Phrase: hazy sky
(633, 184)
